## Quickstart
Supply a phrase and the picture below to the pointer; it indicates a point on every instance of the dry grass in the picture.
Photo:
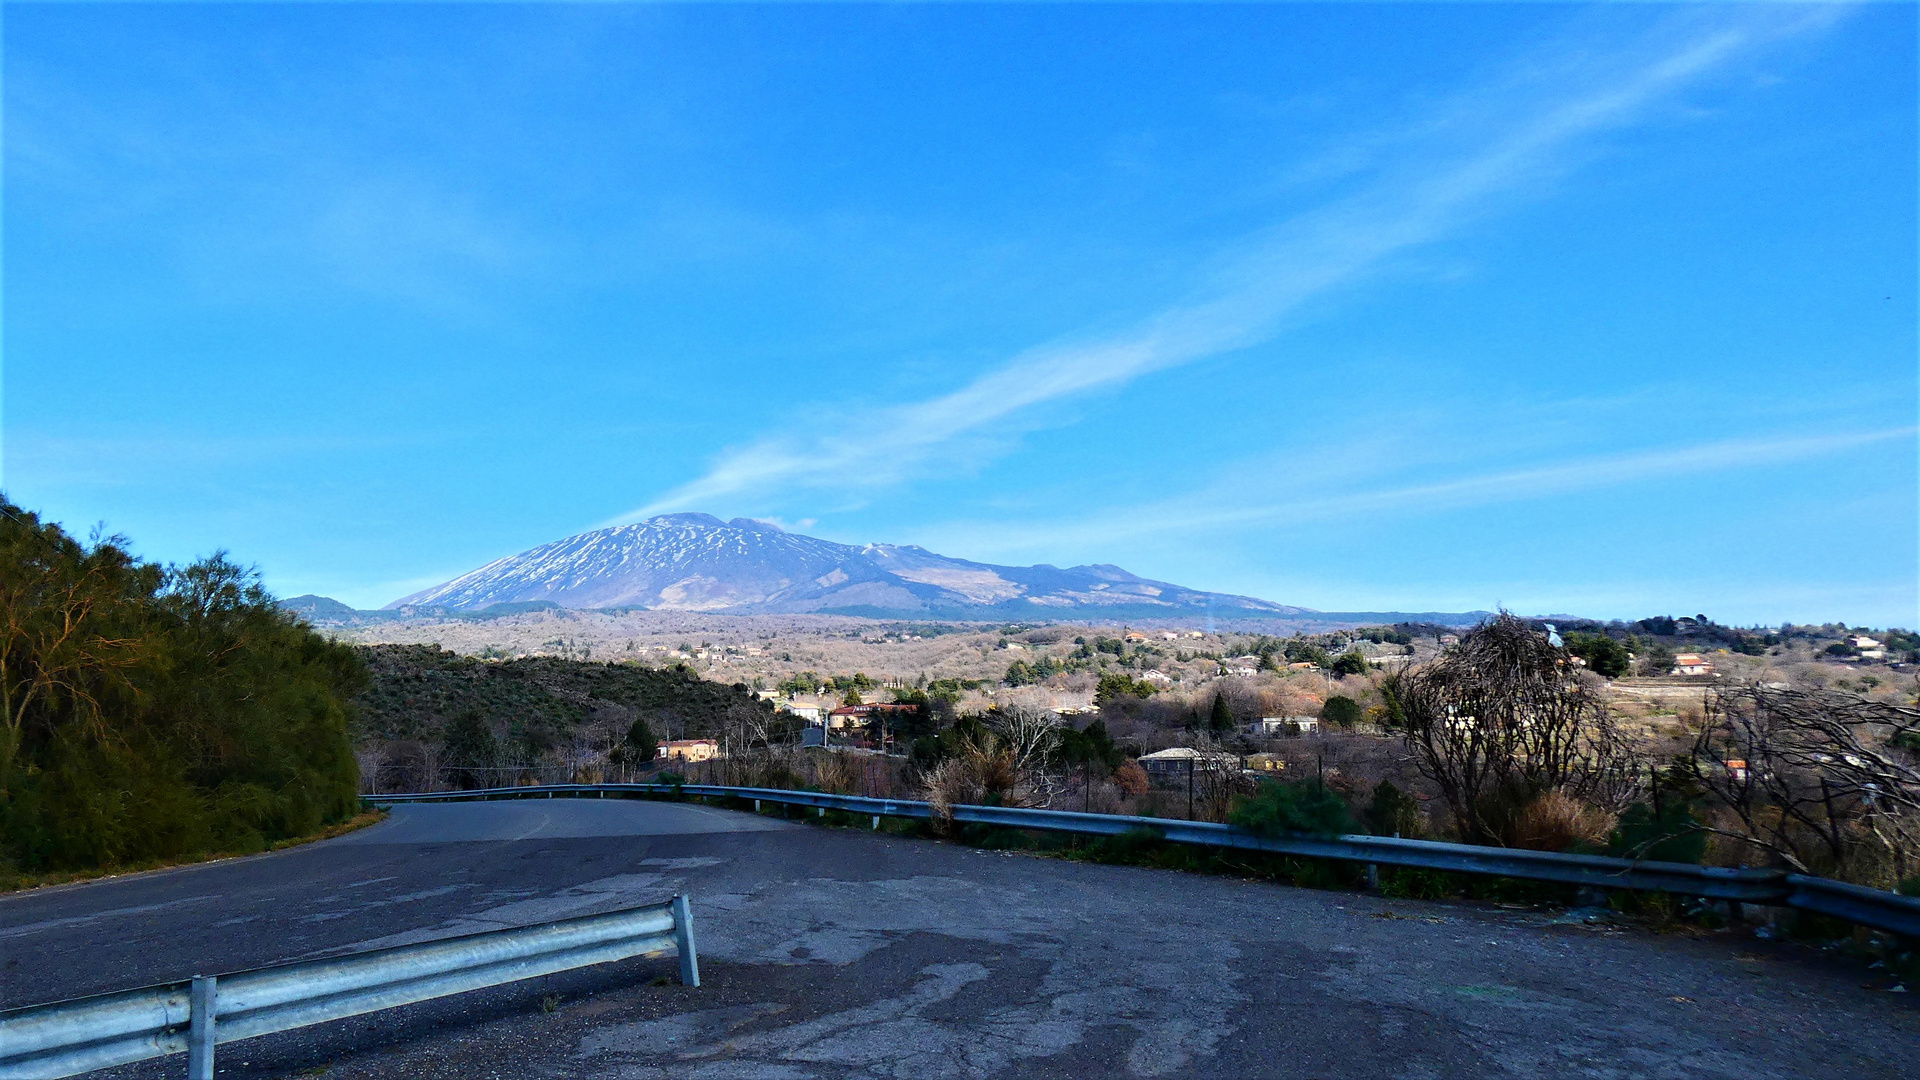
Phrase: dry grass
(983, 768)
(1557, 821)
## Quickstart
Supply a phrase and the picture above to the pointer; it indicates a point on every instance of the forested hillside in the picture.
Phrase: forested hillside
(153, 712)
(534, 704)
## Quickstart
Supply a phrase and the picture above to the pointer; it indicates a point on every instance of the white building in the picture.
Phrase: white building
(1870, 648)
(1691, 664)
(1284, 725)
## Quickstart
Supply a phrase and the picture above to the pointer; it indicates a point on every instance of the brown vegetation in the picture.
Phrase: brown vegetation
(1824, 781)
(1502, 720)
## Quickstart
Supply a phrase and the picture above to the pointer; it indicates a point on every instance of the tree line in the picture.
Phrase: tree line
(154, 712)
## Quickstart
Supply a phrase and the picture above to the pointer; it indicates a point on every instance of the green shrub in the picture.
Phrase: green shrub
(1411, 883)
(1672, 836)
(1340, 711)
(1351, 663)
(1393, 812)
(1281, 809)
(1135, 847)
(1670, 833)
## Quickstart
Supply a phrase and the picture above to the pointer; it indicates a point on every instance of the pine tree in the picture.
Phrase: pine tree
(1220, 719)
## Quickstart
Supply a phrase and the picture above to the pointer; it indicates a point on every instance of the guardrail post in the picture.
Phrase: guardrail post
(200, 1019)
(683, 938)
(876, 821)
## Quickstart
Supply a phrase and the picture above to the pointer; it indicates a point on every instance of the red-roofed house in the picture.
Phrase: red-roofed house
(1691, 664)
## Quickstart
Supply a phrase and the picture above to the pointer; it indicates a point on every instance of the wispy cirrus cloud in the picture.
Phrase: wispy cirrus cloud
(1491, 144)
(1210, 510)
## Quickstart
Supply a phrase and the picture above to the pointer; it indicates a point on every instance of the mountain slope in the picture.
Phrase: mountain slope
(696, 562)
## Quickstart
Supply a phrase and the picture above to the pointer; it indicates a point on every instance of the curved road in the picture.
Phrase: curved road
(841, 953)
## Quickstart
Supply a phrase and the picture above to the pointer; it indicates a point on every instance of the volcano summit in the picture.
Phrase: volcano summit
(696, 562)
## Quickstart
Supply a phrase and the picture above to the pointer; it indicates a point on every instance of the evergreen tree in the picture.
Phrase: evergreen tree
(640, 744)
(470, 747)
(1220, 717)
(1340, 711)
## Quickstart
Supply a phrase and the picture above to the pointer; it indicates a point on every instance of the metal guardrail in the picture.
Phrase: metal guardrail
(66, 1038)
(1853, 903)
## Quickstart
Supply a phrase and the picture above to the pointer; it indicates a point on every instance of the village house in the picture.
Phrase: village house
(1179, 761)
(849, 719)
(1157, 678)
(1133, 637)
(687, 750)
(1265, 763)
(1870, 648)
(861, 715)
(1284, 725)
(1691, 664)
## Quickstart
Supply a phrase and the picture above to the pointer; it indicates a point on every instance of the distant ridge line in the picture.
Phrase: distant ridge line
(697, 563)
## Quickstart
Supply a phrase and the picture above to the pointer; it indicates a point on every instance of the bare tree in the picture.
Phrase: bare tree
(1825, 781)
(1009, 763)
(1217, 779)
(1503, 718)
(1030, 736)
(370, 758)
(429, 767)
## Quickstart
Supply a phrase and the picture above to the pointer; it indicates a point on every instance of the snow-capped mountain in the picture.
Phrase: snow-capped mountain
(696, 562)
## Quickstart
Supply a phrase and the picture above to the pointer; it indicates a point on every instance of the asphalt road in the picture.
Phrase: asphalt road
(841, 953)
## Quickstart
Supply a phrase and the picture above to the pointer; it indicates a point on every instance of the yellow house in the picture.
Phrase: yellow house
(689, 750)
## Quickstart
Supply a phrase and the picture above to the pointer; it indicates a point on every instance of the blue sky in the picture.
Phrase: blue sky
(1607, 310)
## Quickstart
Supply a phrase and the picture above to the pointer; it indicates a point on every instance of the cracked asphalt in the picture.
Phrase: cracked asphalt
(836, 953)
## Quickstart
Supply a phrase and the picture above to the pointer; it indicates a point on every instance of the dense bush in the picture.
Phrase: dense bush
(1280, 809)
(1604, 655)
(1350, 663)
(1393, 812)
(1115, 685)
(153, 712)
(1341, 711)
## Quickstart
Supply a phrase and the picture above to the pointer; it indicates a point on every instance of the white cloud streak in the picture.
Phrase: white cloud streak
(1526, 129)
(1211, 511)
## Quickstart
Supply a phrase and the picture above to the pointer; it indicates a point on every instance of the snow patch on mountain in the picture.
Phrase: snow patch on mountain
(696, 562)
